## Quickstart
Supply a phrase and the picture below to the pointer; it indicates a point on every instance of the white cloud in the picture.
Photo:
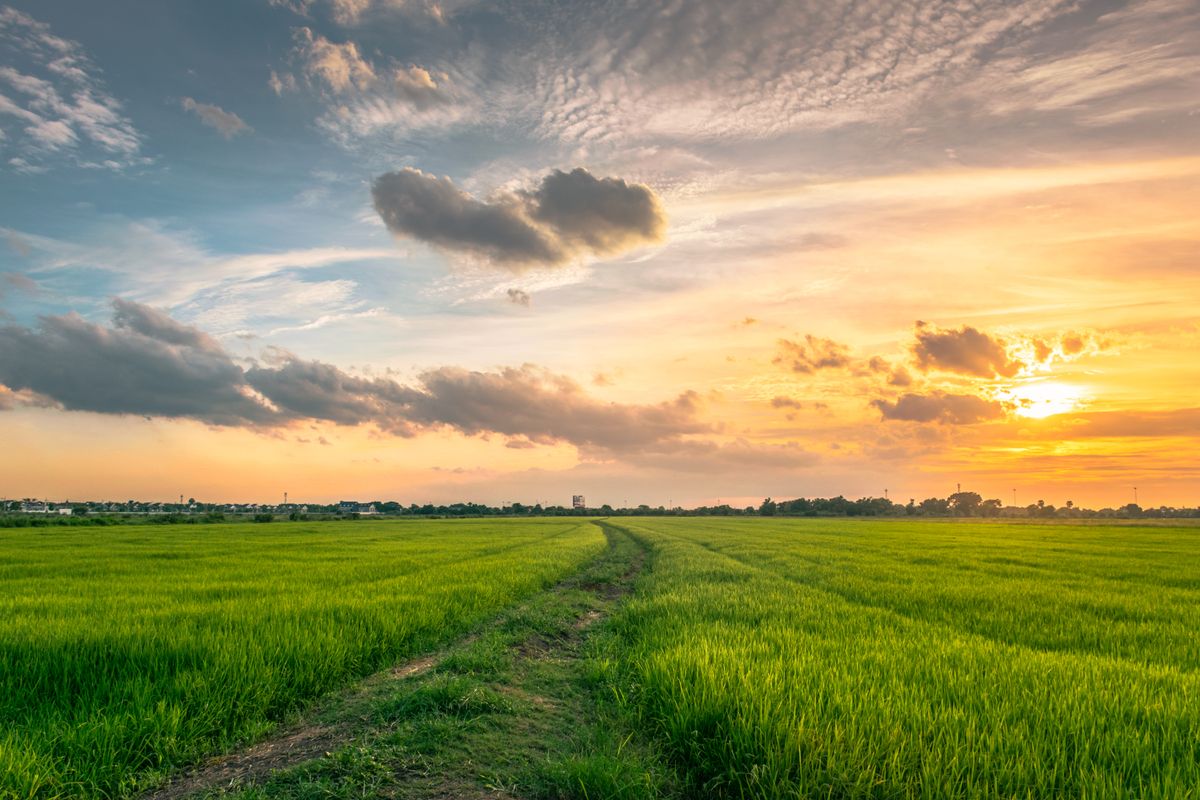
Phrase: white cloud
(151, 263)
(1141, 59)
(712, 70)
(65, 109)
(356, 12)
(365, 98)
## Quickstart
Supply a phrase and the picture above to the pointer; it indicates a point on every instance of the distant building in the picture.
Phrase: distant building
(34, 507)
(577, 501)
(355, 507)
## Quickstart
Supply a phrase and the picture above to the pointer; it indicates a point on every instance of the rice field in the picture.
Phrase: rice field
(892, 659)
(759, 658)
(126, 652)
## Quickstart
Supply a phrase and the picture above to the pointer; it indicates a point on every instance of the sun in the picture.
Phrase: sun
(1040, 399)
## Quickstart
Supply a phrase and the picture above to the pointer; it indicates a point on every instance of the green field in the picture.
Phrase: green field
(755, 658)
(920, 659)
(126, 651)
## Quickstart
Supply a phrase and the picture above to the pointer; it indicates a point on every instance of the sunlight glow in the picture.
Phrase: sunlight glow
(1046, 398)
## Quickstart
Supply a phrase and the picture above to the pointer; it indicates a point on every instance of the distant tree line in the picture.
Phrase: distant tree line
(958, 504)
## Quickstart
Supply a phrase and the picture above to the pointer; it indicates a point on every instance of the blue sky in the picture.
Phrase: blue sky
(755, 174)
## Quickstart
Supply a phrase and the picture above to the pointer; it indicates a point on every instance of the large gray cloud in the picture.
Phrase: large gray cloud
(604, 215)
(967, 351)
(145, 364)
(955, 409)
(433, 210)
(544, 407)
(150, 364)
(568, 215)
(154, 324)
(311, 389)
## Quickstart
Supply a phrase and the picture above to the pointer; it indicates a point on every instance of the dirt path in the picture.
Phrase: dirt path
(580, 602)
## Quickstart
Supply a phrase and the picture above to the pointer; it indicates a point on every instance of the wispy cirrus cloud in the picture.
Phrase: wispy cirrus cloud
(54, 105)
(151, 262)
(1134, 61)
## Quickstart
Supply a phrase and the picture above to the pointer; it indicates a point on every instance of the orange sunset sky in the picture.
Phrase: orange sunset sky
(661, 253)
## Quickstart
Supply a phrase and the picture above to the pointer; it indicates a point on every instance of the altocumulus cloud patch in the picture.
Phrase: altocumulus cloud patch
(569, 215)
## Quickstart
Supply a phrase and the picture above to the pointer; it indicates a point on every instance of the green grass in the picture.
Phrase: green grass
(515, 710)
(755, 658)
(127, 652)
(823, 658)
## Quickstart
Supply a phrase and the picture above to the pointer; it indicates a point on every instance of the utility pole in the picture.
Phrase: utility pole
(1014, 498)
(1135, 499)
(885, 496)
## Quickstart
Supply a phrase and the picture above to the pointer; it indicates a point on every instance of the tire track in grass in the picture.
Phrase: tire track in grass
(546, 629)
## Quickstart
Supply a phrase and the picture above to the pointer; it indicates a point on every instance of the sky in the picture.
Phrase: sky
(653, 252)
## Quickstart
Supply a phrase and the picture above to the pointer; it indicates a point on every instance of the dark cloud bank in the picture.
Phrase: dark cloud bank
(567, 216)
(149, 364)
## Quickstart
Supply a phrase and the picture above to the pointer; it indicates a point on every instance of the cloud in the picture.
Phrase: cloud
(545, 407)
(956, 409)
(966, 351)
(786, 402)
(603, 215)
(433, 210)
(145, 364)
(518, 297)
(812, 354)
(568, 216)
(148, 364)
(281, 82)
(364, 96)
(151, 263)
(1135, 61)
(417, 86)
(897, 375)
(643, 71)
(54, 103)
(154, 324)
(224, 122)
(312, 390)
(339, 67)
(352, 12)
(1064, 347)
